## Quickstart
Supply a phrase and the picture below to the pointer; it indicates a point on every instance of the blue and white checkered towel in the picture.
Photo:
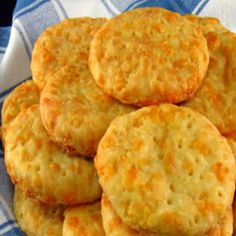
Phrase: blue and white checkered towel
(31, 17)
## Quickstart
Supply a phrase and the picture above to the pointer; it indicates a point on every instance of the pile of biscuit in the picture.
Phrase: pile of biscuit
(127, 128)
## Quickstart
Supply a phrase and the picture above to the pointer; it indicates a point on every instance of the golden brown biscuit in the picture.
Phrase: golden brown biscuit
(84, 220)
(36, 218)
(38, 167)
(76, 112)
(114, 226)
(64, 43)
(166, 169)
(149, 56)
(22, 97)
(216, 97)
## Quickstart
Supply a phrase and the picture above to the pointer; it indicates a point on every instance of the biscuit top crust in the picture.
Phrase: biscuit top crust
(76, 112)
(166, 169)
(149, 56)
(83, 220)
(216, 99)
(66, 43)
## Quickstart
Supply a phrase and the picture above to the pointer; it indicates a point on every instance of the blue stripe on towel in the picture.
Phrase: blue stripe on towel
(36, 19)
(202, 6)
(15, 231)
(4, 36)
(7, 223)
(181, 6)
(22, 4)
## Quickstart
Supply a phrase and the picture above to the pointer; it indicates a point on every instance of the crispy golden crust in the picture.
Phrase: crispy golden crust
(22, 97)
(216, 97)
(166, 169)
(36, 218)
(84, 220)
(149, 56)
(114, 226)
(64, 43)
(76, 112)
(38, 167)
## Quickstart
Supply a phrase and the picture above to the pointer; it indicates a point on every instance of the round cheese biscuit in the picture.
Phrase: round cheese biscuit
(36, 218)
(64, 43)
(84, 220)
(216, 97)
(149, 56)
(114, 226)
(166, 169)
(76, 112)
(39, 168)
(22, 97)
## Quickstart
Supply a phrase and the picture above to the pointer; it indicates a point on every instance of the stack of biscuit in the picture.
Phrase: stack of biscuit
(127, 128)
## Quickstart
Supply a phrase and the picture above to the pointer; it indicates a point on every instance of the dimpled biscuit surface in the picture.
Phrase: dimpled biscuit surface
(22, 97)
(84, 220)
(216, 99)
(64, 43)
(76, 112)
(36, 218)
(166, 169)
(158, 56)
(114, 226)
(38, 167)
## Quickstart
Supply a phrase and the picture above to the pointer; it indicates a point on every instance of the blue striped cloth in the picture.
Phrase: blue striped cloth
(31, 17)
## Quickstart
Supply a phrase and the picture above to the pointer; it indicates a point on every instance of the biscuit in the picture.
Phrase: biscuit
(64, 43)
(158, 56)
(36, 218)
(216, 97)
(114, 226)
(76, 112)
(84, 220)
(22, 97)
(39, 168)
(166, 169)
